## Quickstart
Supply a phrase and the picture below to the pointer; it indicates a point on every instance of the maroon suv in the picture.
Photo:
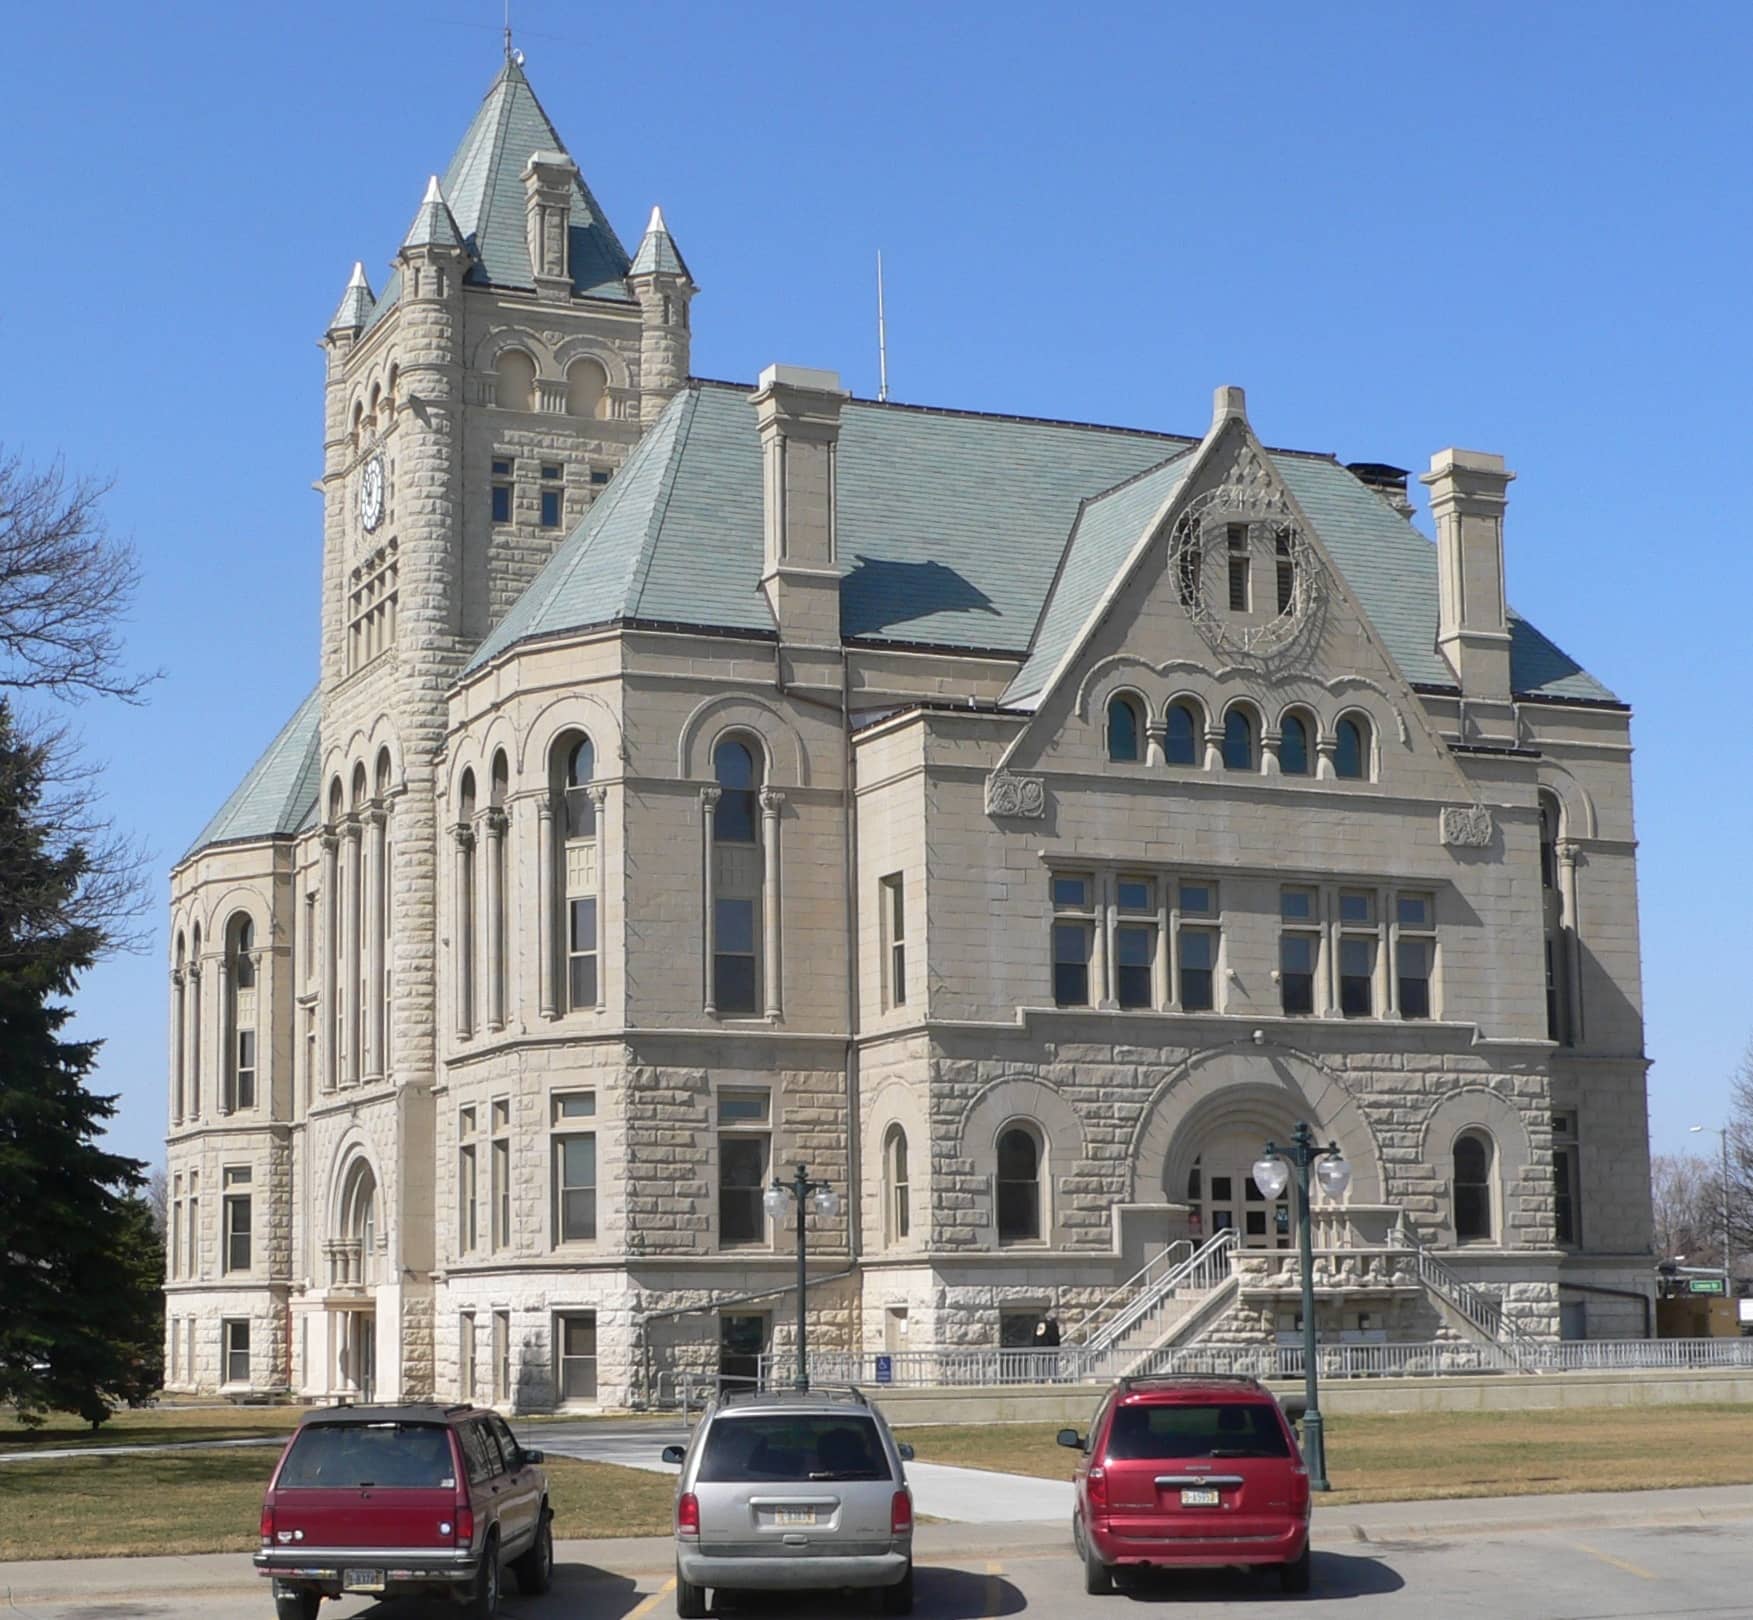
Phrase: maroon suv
(392, 1501)
(1189, 1472)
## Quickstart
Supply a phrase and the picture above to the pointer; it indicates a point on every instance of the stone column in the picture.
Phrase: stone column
(179, 1024)
(1155, 734)
(495, 893)
(354, 864)
(330, 969)
(1270, 741)
(194, 1035)
(463, 933)
(1326, 746)
(1214, 748)
(708, 804)
(1105, 995)
(374, 941)
(1160, 979)
(547, 903)
(771, 801)
(226, 1045)
(1570, 939)
(599, 797)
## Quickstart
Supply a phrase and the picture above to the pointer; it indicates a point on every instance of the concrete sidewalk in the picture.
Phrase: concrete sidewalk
(950, 1544)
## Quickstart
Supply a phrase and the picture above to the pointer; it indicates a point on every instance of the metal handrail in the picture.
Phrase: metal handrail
(1480, 1308)
(1202, 1269)
(1122, 1296)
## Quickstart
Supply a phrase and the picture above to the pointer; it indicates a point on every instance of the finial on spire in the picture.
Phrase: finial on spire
(656, 222)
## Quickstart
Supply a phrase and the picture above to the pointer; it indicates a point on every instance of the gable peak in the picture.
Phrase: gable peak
(1228, 404)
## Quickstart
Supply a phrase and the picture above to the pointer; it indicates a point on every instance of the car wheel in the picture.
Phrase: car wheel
(535, 1569)
(483, 1603)
(1098, 1578)
(690, 1599)
(1294, 1576)
(898, 1599)
(293, 1603)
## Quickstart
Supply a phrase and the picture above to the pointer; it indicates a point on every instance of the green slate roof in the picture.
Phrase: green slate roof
(956, 530)
(658, 253)
(277, 793)
(484, 187)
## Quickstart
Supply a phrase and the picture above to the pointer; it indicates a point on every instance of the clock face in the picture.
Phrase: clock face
(371, 494)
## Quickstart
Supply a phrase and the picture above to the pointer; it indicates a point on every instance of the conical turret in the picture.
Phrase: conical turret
(661, 282)
(356, 304)
(434, 225)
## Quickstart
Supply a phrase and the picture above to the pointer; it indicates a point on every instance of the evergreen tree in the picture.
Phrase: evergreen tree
(80, 1262)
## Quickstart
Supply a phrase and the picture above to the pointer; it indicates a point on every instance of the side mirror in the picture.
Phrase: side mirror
(674, 1454)
(532, 1456)
(1070, 1438)
(905, 1450)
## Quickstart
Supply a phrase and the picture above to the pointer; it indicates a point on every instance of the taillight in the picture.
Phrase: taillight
(1098, 1489)
(267, 1521)
(1299, 1489)
(900, 1513)
(465, 1525)
(687, 1514)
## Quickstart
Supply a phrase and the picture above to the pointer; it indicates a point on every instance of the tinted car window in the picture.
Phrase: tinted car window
(793, 1449)
(1222, 1429)
(508, 1447)
(340, 1456)
(482, 1454)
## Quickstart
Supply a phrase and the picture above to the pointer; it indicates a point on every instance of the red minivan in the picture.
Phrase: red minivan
(395, 1501)
(1193, 1471)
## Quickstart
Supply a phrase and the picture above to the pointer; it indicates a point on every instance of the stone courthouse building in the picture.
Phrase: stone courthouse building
(1016, 821)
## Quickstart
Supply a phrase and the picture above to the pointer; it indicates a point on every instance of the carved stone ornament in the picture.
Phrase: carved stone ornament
(1468, 826)
(1008, 795)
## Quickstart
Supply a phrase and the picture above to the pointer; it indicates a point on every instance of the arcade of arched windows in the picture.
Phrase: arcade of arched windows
(1187, 734)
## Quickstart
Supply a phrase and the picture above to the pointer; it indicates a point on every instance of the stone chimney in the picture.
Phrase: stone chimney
(548, 179)
(1388, 482)
(1468, 491)
(797, 412)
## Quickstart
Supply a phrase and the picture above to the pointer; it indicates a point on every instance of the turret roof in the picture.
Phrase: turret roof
(434, 225)
(279, 789)
(658, 253)
(356, 302)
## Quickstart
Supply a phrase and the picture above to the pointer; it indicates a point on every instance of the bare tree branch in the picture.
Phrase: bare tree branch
(65, 587)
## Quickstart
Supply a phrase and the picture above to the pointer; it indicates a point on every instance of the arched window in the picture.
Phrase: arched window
(587, 389)
(241, 1014)
(1240, 739)
(514, 384)
(1558, 1008)
(1472, 1187)
(572, 766)
(358, 422)
(386, 892)
(179, 1009)
(580, 808)
(900, 1207)
(738, 878)
(1019, 1185)
(1183, 735)
(465, 903)
(1351, 751)
(355, 1256)
(1293, 747)
(1124, 729)
(389, 393)
(195, 1022)
(735, 819)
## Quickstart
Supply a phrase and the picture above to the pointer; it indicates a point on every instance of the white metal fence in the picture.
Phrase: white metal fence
(949, 1368)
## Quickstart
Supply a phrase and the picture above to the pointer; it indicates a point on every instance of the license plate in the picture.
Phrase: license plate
(794, 1516)
(1199, 1498)
(362, 1580)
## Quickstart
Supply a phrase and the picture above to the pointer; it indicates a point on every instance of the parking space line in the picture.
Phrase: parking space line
(1617, 1563)
(994, 1591)
(651, 1603)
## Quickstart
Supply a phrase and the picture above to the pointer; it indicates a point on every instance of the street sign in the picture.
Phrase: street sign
(1705, 1285)
(885, 1369)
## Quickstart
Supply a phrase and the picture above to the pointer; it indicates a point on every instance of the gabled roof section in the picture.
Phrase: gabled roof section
(484, 185)
(278, 791)
(1103, 538)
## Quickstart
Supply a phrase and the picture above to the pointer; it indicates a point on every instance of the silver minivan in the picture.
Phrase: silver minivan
(792, 1491)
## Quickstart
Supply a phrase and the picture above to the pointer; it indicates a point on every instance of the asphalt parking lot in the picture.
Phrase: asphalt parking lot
(1693, 1570)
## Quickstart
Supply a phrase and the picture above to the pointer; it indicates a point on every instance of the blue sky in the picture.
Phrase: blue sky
(1515, 228)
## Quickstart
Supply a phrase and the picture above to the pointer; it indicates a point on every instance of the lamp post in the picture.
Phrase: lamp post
(799, 1191)
(1272, 1173)
(1722, 1132)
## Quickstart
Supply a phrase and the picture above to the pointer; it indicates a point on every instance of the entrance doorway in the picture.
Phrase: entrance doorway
(742, 1341)
(1223, 1195)
(356, 1355)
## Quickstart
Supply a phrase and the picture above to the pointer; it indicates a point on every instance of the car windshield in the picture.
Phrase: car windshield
(1221, 1429)
(792, 1449)
(343, 1456)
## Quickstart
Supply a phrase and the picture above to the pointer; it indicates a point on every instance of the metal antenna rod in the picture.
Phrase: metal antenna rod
(508, 30)
(882, 336)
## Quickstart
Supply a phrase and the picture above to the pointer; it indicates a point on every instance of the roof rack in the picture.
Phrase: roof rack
(844, 1392)
(1142, 1380)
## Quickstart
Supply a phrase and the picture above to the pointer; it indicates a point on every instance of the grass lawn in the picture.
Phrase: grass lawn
(211, 1501)
(151, 1425)
(1421, 1456)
